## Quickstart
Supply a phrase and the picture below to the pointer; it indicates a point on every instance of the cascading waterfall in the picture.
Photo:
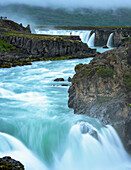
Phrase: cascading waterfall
(109, 42)
(85, 152)
(91, 41)
(84, 35)
(38, 129)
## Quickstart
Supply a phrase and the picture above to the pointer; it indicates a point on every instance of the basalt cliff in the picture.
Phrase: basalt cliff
(102, 90)
(19, 47)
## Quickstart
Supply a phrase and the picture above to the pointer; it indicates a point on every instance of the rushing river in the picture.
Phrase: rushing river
(38, 129)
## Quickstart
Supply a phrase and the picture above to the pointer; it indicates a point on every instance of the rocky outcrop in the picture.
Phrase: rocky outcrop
(11, 25)
(9, 163)
(102, 35)
(102, 90)
(50, 47)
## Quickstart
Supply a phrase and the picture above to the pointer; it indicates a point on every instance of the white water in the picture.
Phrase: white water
(91, 41)
(109, 42)
(83, 34)
(38, 129)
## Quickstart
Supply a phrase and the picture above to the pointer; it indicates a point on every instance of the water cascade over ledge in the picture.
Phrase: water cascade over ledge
(109, 42)
(86, 36)
(38, 129)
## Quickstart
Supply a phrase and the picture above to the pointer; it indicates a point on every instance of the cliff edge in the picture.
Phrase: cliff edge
(102, 90)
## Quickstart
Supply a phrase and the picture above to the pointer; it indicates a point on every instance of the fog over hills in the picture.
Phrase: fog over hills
(36, 15)
(73, 4)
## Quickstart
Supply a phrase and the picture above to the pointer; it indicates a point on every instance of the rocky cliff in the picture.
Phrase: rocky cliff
(49, 46)
(102, 35)
(102, 90)
(19, 47)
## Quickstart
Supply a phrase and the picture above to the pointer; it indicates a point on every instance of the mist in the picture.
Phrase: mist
(73, 4)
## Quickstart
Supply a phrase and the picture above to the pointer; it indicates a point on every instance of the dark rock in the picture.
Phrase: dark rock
(64, 85)
(105, 46)
(9, 163)
(59, 79)
(69, 79)
(85, 127)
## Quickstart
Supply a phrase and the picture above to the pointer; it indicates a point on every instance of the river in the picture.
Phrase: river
(38, 129)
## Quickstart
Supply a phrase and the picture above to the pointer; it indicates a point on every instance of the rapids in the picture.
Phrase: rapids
(38, 129)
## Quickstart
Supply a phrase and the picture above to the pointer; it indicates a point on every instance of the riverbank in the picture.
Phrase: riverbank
(19, 47)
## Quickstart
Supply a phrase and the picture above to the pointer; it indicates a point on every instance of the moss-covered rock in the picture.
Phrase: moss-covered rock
(7, 163)
(6, 47)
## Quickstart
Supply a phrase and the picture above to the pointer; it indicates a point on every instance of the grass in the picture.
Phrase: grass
(6, 47)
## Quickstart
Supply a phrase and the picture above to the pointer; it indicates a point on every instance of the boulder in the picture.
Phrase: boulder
(59, 79)
(8, 163)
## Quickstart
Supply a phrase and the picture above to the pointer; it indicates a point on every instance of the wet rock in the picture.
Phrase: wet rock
(9, 163)
(69, 79)
(59, 79)
(64, 85)
(105, 46)
(85, 127)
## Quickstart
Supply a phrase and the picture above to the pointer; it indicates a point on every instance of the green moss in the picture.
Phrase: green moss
(78, 67)
(6, 47)
(127, 80)
(103, 99)
(105, 72)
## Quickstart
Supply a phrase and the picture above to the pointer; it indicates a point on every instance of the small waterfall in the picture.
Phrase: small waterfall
(91, 41)
(109, 42)
(85, 36)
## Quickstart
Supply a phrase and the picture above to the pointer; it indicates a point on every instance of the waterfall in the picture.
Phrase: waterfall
(109, 42)
(84, 35)
(87, 153)
(39, 130)
(91, 41)
(10, 146)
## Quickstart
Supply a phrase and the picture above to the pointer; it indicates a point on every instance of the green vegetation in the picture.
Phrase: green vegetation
(105, 72)
(103, 99)
(127, 80)
(78, 67)
(6, 47)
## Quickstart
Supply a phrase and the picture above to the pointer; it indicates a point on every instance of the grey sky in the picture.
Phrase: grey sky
(73, 3)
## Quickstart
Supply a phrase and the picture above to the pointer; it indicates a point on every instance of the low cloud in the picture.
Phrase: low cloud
(73, 4)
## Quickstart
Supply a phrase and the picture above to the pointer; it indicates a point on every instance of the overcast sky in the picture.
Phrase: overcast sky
(73, 3)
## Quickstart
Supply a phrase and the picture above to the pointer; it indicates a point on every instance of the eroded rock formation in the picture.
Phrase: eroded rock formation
(102, 90)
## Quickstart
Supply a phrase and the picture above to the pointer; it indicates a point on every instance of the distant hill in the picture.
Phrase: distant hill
(39, 16)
